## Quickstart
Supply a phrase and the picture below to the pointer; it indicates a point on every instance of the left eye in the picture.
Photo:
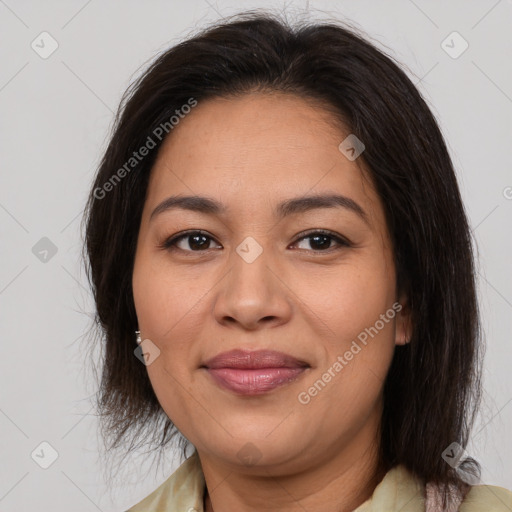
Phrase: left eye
(322, 240)
(199, 241)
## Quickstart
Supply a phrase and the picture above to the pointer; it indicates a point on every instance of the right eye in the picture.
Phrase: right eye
(197, 241)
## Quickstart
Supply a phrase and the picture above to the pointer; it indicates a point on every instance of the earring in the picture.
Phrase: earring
(139, 340)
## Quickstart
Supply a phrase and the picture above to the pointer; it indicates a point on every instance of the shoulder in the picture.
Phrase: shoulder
(488, 498)
(411, 490)
(183, 490)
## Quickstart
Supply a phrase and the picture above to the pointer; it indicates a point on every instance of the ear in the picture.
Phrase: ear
(403, 323)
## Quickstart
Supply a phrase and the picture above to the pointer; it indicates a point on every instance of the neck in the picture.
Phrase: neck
(338, 482)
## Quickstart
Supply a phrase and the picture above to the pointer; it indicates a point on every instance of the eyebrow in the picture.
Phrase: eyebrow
(292, 206)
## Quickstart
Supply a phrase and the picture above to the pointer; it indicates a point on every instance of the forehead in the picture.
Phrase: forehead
(248, 151)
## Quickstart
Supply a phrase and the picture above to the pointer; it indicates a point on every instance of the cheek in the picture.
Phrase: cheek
(166, 299)
(357, 352)
(170, 313)
(354, 310)
(351, 298)
(361, 330)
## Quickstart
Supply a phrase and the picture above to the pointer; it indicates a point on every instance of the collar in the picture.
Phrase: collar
(398, 490)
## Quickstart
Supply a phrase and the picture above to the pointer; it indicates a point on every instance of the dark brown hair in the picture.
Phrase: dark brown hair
(433, 387)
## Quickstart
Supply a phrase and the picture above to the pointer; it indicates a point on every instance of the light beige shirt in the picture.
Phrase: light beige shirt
(399, 490)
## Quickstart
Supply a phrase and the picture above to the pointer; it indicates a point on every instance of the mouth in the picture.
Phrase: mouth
(254, 373)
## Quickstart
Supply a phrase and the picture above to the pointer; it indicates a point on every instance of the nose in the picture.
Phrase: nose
(252, 295)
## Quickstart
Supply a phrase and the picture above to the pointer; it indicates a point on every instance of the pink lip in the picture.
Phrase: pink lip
(254, 373)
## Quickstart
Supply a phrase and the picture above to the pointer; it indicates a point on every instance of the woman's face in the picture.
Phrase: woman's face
(261, 278)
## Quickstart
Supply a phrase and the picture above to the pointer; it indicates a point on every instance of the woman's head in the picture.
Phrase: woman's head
(252, 279)
(264, 120)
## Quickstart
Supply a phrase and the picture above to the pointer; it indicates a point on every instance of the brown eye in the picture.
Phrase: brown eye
(321, 240)
(197, 241)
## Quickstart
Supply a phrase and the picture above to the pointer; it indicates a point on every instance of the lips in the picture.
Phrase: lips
(254, 372)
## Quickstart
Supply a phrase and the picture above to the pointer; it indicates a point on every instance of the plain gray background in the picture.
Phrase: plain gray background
(55, 117)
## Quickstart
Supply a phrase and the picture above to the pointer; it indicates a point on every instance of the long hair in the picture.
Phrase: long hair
(432, 390)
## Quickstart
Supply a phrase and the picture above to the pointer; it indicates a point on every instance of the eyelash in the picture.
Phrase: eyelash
(170, 243)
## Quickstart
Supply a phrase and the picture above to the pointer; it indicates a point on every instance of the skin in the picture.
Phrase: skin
(250, 153)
